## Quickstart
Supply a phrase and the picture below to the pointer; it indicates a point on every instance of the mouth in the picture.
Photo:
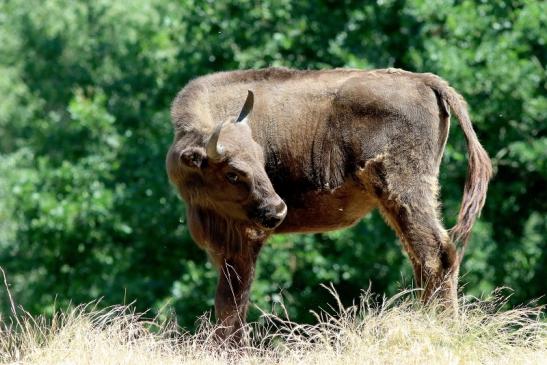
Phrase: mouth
(267, 226)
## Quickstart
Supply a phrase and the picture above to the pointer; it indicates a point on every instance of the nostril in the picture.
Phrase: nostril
(275, 216)
(273, 221)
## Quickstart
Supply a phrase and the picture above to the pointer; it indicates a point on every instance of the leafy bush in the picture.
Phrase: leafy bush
(86, 210)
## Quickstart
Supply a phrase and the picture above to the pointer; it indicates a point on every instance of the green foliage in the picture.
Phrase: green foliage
(86, 210)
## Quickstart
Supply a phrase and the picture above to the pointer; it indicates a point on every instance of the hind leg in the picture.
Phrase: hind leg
(432, 253)
(411, 211)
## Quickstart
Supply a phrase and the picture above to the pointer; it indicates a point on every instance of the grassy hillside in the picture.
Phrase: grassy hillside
(388, 331)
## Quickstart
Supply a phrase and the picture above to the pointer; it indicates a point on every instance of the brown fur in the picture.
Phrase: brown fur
(333, 145)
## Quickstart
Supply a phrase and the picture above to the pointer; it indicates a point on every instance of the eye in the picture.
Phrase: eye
(232, 177)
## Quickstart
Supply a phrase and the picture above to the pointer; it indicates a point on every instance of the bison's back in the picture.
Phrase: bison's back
(316, 127)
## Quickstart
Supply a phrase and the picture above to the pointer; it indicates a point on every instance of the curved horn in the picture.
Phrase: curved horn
(214, 150)
(247, 108)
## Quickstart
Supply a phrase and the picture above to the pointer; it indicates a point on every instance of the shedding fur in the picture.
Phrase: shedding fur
(320, 149)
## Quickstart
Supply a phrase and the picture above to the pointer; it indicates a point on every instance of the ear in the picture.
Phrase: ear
(193, 157)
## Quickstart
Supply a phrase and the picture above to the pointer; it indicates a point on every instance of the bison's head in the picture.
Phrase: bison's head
(226, 174)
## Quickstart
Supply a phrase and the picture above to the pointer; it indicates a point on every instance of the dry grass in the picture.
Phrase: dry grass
(394, 331)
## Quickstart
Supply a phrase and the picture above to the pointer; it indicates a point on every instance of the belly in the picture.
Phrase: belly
(326, 210)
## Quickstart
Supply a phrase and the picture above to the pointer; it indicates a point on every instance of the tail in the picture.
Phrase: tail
(479, 166)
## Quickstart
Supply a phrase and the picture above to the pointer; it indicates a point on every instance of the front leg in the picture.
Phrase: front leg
(236, 273)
